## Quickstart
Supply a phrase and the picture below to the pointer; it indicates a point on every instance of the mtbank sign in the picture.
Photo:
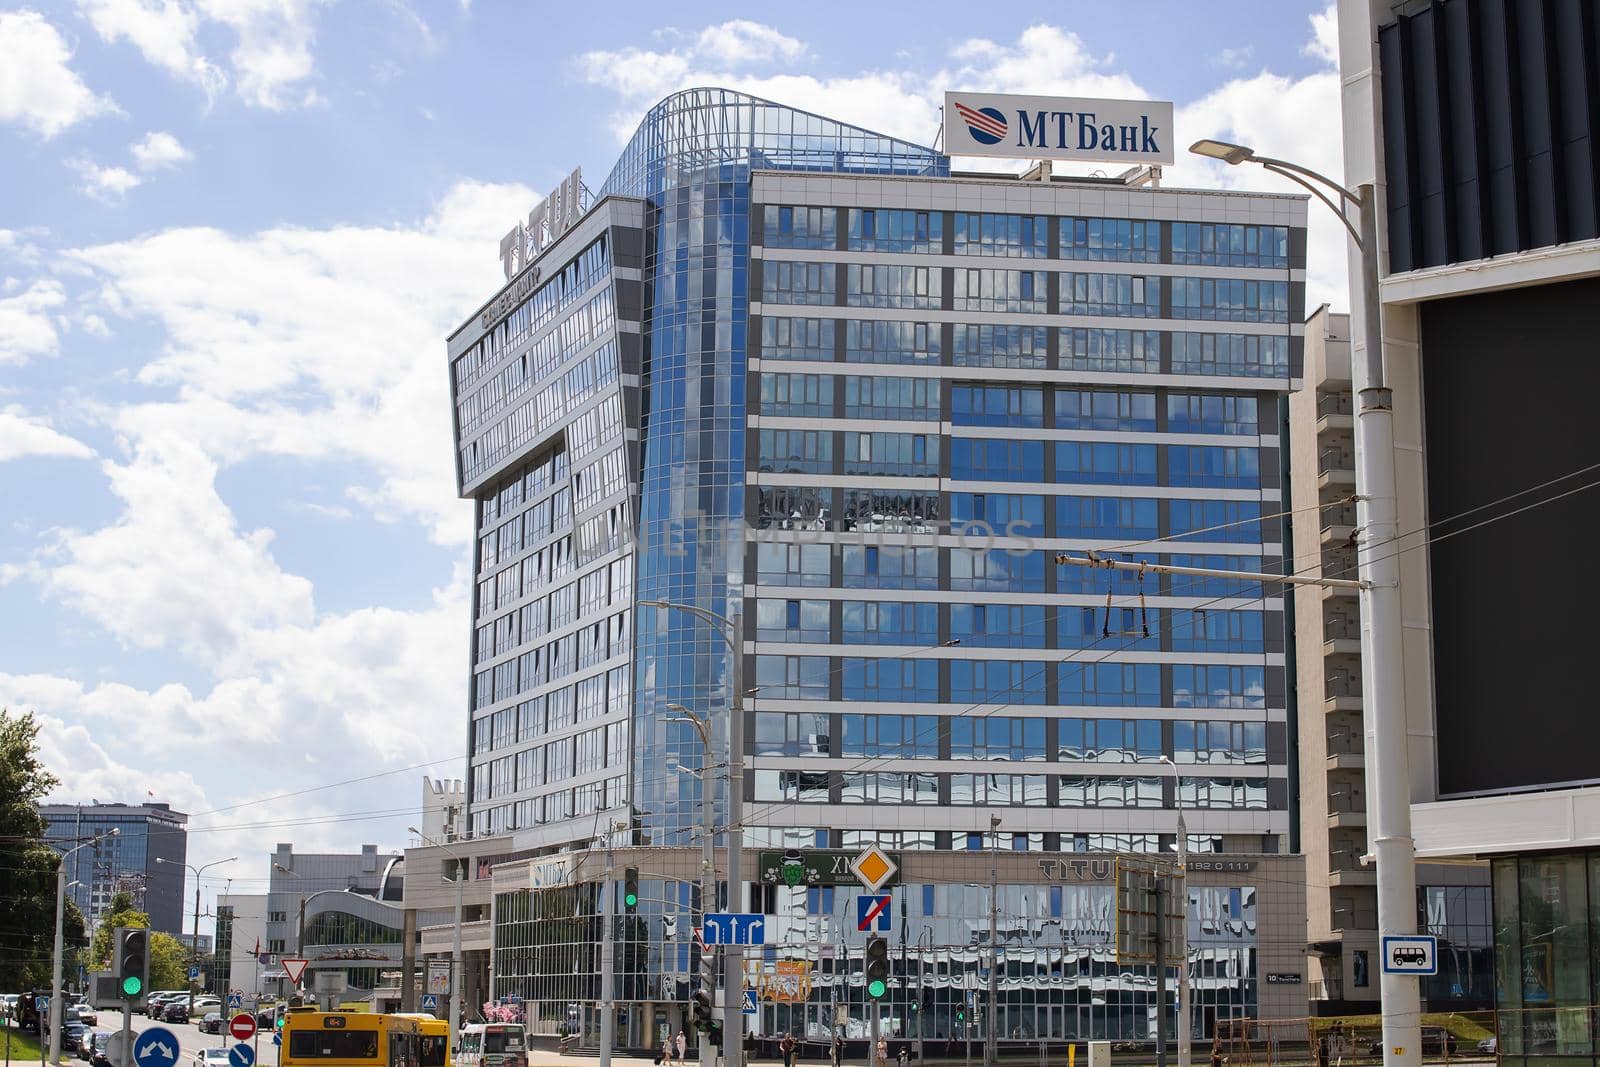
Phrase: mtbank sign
(1057, 127)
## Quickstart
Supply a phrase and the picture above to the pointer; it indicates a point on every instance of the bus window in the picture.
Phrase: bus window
(333, 1045)
(432, 1053)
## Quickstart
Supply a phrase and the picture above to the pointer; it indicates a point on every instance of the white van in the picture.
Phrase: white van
(492, 1045)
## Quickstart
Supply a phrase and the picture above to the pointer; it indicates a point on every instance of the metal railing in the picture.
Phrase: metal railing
(1335, 459)
(1339, 1041)
(1340, 628)
(1341, 683)
(1343, 515)
(1335, 404)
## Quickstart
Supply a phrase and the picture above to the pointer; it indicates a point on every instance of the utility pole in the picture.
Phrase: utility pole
(194, 948)
(1181, 888)
(991, 1018)
(54, 1009)
(1161, 967)
(708, 862)
(608, 948)
(456, 976)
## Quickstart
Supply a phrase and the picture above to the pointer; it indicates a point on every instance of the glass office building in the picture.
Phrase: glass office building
(800, 376)
(127, 863)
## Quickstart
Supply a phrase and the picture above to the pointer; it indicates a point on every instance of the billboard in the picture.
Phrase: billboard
(1058, 127)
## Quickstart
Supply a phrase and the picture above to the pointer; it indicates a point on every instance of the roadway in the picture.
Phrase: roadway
(191, 1041)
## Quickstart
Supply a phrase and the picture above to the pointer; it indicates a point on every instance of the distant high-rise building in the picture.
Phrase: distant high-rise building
(124, 863)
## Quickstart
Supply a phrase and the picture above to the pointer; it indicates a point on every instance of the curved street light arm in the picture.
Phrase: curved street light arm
(1346, 194)
(1337, 210)
(725, 625)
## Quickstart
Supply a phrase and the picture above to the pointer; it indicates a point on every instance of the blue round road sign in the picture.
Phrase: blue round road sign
(241, 1055)
(156, 1047)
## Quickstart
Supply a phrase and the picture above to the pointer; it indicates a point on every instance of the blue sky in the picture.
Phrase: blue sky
(233, 236)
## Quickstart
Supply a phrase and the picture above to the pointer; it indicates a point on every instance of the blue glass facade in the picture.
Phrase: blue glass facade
(126, 863)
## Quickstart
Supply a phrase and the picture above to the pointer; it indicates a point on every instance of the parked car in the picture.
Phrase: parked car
(162, 997)
(1490, 1045)
(99, 1045)
(210, 1023)
(175, 1010)
(206, 1004)
(72, 1034)
(83, 1013)
(211, 1057)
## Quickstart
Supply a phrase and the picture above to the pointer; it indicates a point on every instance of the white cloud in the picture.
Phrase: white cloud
(322, 344)
(37, 87)
(271, 58)
(164, 33)
(27, 327)
(159, 149)
(1324, 43)
(1233, 58)
(22, 435)
(743, 41)
(104, 183)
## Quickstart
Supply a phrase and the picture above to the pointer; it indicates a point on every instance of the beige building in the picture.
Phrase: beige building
(1341, 894)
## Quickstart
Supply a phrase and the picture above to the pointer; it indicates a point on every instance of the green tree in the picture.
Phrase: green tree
(169, 962)
(27, 865)
(121, 913)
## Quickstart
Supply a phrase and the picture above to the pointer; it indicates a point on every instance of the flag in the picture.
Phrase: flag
(257, 951)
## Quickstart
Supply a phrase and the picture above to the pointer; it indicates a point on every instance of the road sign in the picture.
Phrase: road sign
(294, 968)
(873, 912)
(41, 1003)
(156, 1047)
(430, 1002)
(194, 972)
(235, 1000)
(119, 1048)
(277, 1039)
(811, 866)
(241, 1055)
(242, 1026)
(1139, 886)
(735, 928)
(749, 1002)
(1410, 954)
(873, 868)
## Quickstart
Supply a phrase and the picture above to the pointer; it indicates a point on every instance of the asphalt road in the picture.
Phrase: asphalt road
(191, 1041)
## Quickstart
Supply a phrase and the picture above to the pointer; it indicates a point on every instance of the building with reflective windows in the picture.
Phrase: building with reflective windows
(145, 859)
(802, 376)
(340, 911)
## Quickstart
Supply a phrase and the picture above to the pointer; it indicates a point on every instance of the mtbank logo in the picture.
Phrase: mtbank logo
(987, 125)
(1055, 127)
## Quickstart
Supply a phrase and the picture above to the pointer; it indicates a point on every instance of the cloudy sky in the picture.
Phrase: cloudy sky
(233, 236)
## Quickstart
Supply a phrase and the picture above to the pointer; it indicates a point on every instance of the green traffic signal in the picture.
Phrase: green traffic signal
(630, 888)
(132, 985)
(631, 899)
(877, 988)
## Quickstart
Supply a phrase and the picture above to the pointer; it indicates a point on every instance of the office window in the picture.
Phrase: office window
(792, 620)
(1211, 413)
(792, 734)
(1216, 630)
(887, 622)
(988, 234)
(995, 459)
(897, 510)
(890, 567)
(998, 790)
(889, 230)
(1233, 521)
(988, 289)
(876, 341)
(791, 338)
(1241, 794)
(997, 681)
(783, 282)
(796, 451)
(1111, 684)
(805, 787)
(1088, 791)
(1117, 517)
(1088, 348)
(1109, 740)
(997, 625)
(1230, 300)
(974, 568)
(890, 679)
(798, 395)
(1217, 686)
(1237, 354)
(887, 787)
(880, 286)
(890, 736)
(793, 677)
(1193, 585)
(798, 227)
(1104, 409)
(1230, 244)
(1199, 741)
(1118, 627)
(1103, 463)
(999, 345)
(997, 737)
(1214, 466)
(1001, 514)
(891, 397)
(997, 405)
(785, 564)
(1123, 295)
(1111, 240)
(891, 453)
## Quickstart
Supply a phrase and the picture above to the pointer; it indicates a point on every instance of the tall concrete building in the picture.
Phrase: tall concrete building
(126, 863)
(1341, 894)
(803, 377)
(1475, 122)
(241, 941)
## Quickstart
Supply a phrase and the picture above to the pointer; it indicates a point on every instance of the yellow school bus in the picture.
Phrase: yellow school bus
(434, 1049)
(349, 1039)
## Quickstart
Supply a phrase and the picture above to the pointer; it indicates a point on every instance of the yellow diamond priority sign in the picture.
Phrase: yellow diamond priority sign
(873, 868)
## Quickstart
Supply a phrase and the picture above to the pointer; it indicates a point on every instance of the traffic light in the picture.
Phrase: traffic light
(704, 1014)
(877, 967)
(630, 889)
(133, 961)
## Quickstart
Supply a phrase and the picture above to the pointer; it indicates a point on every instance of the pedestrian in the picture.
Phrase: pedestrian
(838, 1049)
(883, 1052)
(786, 1047)
(903, 1056)
(665, 1055)
(683, 1047)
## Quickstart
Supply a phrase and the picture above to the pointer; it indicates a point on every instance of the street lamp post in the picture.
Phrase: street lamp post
(1379, 571)
(990, 1017)
(194, 946)
(55, 961)
(1181, 887)
(455, 946)
(733, 955)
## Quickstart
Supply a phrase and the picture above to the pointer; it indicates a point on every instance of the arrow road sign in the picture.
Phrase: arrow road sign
(1410, 954)
(872, 912)
(294, 968)
(156, 1047)
(749, 1002)
(735, 928)
(241, 1056)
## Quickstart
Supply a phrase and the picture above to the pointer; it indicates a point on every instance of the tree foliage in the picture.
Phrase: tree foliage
(27, 865)
(169, 962)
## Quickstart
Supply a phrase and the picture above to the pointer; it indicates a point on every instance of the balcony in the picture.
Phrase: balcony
(1341, 635)
(1345, 751)
(1345, 869)
(1339, 563)
(1341, 691)
(1335, 411)
(1336, 466)
(1338, 524)
(1347, 809)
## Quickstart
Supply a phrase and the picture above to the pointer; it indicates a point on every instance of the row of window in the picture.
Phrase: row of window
(887, 622)
(910, 679)
(1009, 790)
(549, 713)
(1019, 346)
(993, 289)
(551, 763)
(1007, 737)
(575, 803)
(1026, 236)
(1073, 407)
(594, 643)
(975, 569)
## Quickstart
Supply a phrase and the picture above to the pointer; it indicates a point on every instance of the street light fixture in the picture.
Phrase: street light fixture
(55, 961)
(455, 947)
(194, 946)
(1379, 571)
